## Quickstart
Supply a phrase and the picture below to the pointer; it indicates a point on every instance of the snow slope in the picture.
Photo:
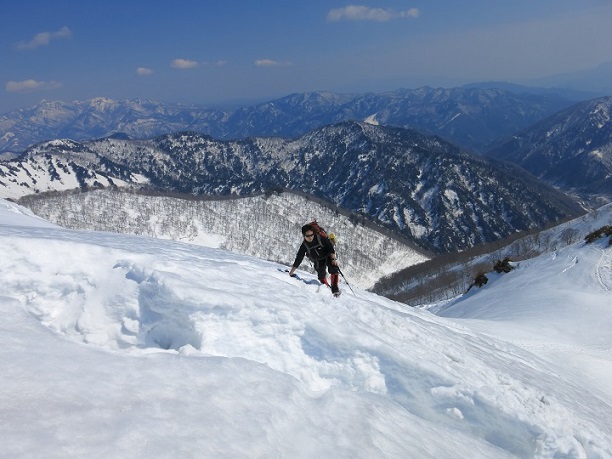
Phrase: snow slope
(126, 346)
(272, 224)
(558, 304)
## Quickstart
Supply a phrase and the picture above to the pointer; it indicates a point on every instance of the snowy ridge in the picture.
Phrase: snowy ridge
(266, 227)
(571, 150)
(71, 167)
(580, 271)
(161, 348)
(457, 274)
(406, 182)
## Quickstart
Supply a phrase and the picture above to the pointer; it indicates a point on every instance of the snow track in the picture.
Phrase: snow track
(604, 269)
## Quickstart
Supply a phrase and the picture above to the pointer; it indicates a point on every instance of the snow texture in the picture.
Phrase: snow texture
(126, 346)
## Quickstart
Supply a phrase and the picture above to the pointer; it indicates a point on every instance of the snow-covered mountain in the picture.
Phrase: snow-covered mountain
(473, 117)
(421, 187)
(264, 226)
(446, 276)
(124, 346)
(571, 150)
(100, 117)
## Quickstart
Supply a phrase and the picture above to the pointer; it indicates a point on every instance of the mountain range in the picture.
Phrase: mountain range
(472, 116)
(421, 187)
(571, 150)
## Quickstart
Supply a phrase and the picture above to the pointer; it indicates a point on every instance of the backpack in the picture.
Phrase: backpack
(319, 231)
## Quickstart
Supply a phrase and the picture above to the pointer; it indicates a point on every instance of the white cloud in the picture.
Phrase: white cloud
(365, 13)
(28, 86)
(183, 64)
(143, 71)
(44, 38)
(270, 63)
(411, 13)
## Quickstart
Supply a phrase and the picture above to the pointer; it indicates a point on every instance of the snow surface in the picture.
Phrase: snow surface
(126, 346)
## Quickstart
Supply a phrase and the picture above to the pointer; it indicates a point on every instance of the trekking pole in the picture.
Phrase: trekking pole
(349, 285)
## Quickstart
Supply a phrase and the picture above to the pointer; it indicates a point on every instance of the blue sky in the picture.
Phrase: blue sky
(215, 52)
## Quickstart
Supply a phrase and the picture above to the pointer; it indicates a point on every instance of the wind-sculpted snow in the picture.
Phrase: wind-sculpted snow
(160, 348)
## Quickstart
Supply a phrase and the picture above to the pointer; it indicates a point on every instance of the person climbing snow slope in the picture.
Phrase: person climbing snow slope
(321, 253)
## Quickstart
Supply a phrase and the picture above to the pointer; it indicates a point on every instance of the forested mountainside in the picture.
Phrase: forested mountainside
(421, 187)
(451, 275)
(265, 226)
(571, 150)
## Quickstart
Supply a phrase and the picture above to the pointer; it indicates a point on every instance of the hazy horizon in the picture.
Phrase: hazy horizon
(218, 53)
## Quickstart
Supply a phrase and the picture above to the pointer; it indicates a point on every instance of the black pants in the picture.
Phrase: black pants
(323, 265)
